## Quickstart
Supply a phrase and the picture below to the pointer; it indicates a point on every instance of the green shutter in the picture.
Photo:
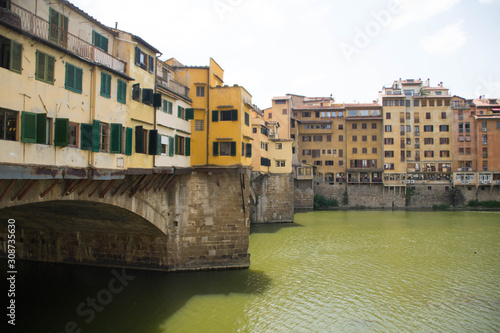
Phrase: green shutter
(158, 144)
(128, 143)
(137, 56)
(79, 80)
(121, 92)
(96, 136)
(176, 144)
(153, 141)
(171, 146)
(233, 148)
(247, 119)
(170, 107)
(215, 115)
(216, 149)
(116, 139)
(179, 111)
(188, 147)
(50, 69)
(28, 127)
(41, 128)
(139, 139)
(40, 66)
(189, 114)
(234, 115)
(86, 136)
(249, 150)
(165, 106)
(61, 132)
(104, 43)
(16, 56)
(242, 149)
(73, 79)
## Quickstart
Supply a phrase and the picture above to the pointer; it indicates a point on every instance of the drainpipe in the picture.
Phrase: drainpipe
(93, 88)
(208, 112)
(154, 109)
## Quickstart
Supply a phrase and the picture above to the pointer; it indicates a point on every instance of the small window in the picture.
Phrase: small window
(74, 76)
(164, 145)
(279, 146)
(225, 149)
(45, 65)
(136, 92)
(8, 125)
(104, 138)
(105, 85)
(11, 54)
(121, 95)
(247, 119)
(100, 41)
(73, 134)
(200, 91)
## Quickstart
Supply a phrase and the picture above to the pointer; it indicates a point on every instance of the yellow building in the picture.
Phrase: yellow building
(60, 82)
(280, 152)
(260, 146)
(221, 132)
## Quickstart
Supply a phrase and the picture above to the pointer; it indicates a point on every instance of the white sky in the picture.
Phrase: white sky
(349, 49)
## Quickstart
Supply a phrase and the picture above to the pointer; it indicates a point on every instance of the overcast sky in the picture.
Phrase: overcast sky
(349, 49)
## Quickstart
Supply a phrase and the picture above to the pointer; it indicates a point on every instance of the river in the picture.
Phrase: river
(339, 271)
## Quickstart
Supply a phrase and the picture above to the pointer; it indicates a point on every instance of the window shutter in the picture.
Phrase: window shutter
(165, 106)
(153, 142)
(216, 149)
(121, 92)
(176, 144)
(242, 149)
(28, 127)
(139, 139)
(170, 107)
(147, 96)
(70, 77)
(179, 111)
(104, 44)
(156, 100)
(247, 119)
(188, 147)
(215, 115)
(79, 79)
(151, 64)
(248, 150)
(128, 143)
(41, 128)
(116, 139)
(171, 146)
(50, 69)
(103, 84)
(96, 136)
(233, 148)
(189, 114)
(16, 56)
(137, 56)
(86, 136)
(40, 66)
(61, 132)
(234, 115)
(158, 144)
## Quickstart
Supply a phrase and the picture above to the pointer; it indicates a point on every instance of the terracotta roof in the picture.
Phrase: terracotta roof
(318, 108)
(362, 105)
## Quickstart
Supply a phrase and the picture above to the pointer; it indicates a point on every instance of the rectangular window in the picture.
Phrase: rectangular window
(100, 41)
(104, 138)
(279, 146)
(58, 27)
(388, 128)
(444, 128)
(354, 150)
(444, 141)
(45, 65)
(364, 138)
(341, 126)
(105, 85)
(247, 119)
(389, 141)
(354, 138)
(428, 141)
(200, 91)
(73, 134)
(354, 126)
(199, 125)
(364, 150)
(11, 54)
(428, 128)
(61, 130)
(387, 115)
(389, 153)
(467, 151)
(227, 148)
(341, 138)
(285, 111)
(427, 115)
(444, 153)
(136, 92)
(228, 115)
(431, 102)
(416, 102)
(74, 76)
(374, 150)
(428, 153)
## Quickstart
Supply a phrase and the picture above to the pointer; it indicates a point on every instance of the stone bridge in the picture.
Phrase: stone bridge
(165, 219)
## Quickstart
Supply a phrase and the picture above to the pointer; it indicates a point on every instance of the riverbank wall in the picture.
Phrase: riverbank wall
(272, 198)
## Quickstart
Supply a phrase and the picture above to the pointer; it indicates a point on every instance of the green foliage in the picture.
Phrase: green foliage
(322, 202)
(486, 204)
(440, 207)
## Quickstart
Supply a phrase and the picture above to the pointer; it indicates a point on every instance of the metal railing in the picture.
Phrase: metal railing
(62, 38)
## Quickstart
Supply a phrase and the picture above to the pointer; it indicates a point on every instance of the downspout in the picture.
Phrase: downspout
(154, 109)
(93, 88)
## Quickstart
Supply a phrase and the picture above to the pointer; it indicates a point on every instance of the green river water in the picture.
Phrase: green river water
(336, 271)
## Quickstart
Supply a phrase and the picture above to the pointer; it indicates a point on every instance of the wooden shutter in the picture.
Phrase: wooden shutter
(176, 144)
(189, 113)
(216, 149)
(41, 128)
(215, 115)
(128, 143)
(247, 119)
(139, 139)
(104, 43)
(147, 96)
(16, 57)
(79, 79)
(151, 64)
(116, 139)
(234, 115)
(165, 106)
(188, 146)
(179, 111)
(137, 56)
(121, 92)
(96, 136)
(242, 149)
(153, 142)
(248, 150)
(70, 77)
(171, 146)
(86, 136)
(50, 69)
(156, 100)
(61, 132)
(158, 144)
(28, 127)
(40, 66)
(170, 107)
(233, 148)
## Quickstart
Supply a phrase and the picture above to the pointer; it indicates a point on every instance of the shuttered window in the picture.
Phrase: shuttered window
(189, 114)
(61, 132)
(41, 128)
(128, 141)
(248, 150)
(44, 67)
(147, 96)
(188, 147)
(121, 91)
(74, 76)
(16, 57)
(139, 140)
(100, 41)
(105, 85)
(153, 142)
(171, 146)
(28, 127)
(116, 139)
(86, 136)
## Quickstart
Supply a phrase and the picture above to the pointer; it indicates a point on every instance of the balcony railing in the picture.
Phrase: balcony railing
(60, 37)
(174, 86)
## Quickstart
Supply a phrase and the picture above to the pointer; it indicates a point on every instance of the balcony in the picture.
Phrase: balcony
(174, 86)
(60, 37)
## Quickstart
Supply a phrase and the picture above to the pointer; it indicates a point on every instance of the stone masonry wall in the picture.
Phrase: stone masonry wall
(274, 198)
(303, 194)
